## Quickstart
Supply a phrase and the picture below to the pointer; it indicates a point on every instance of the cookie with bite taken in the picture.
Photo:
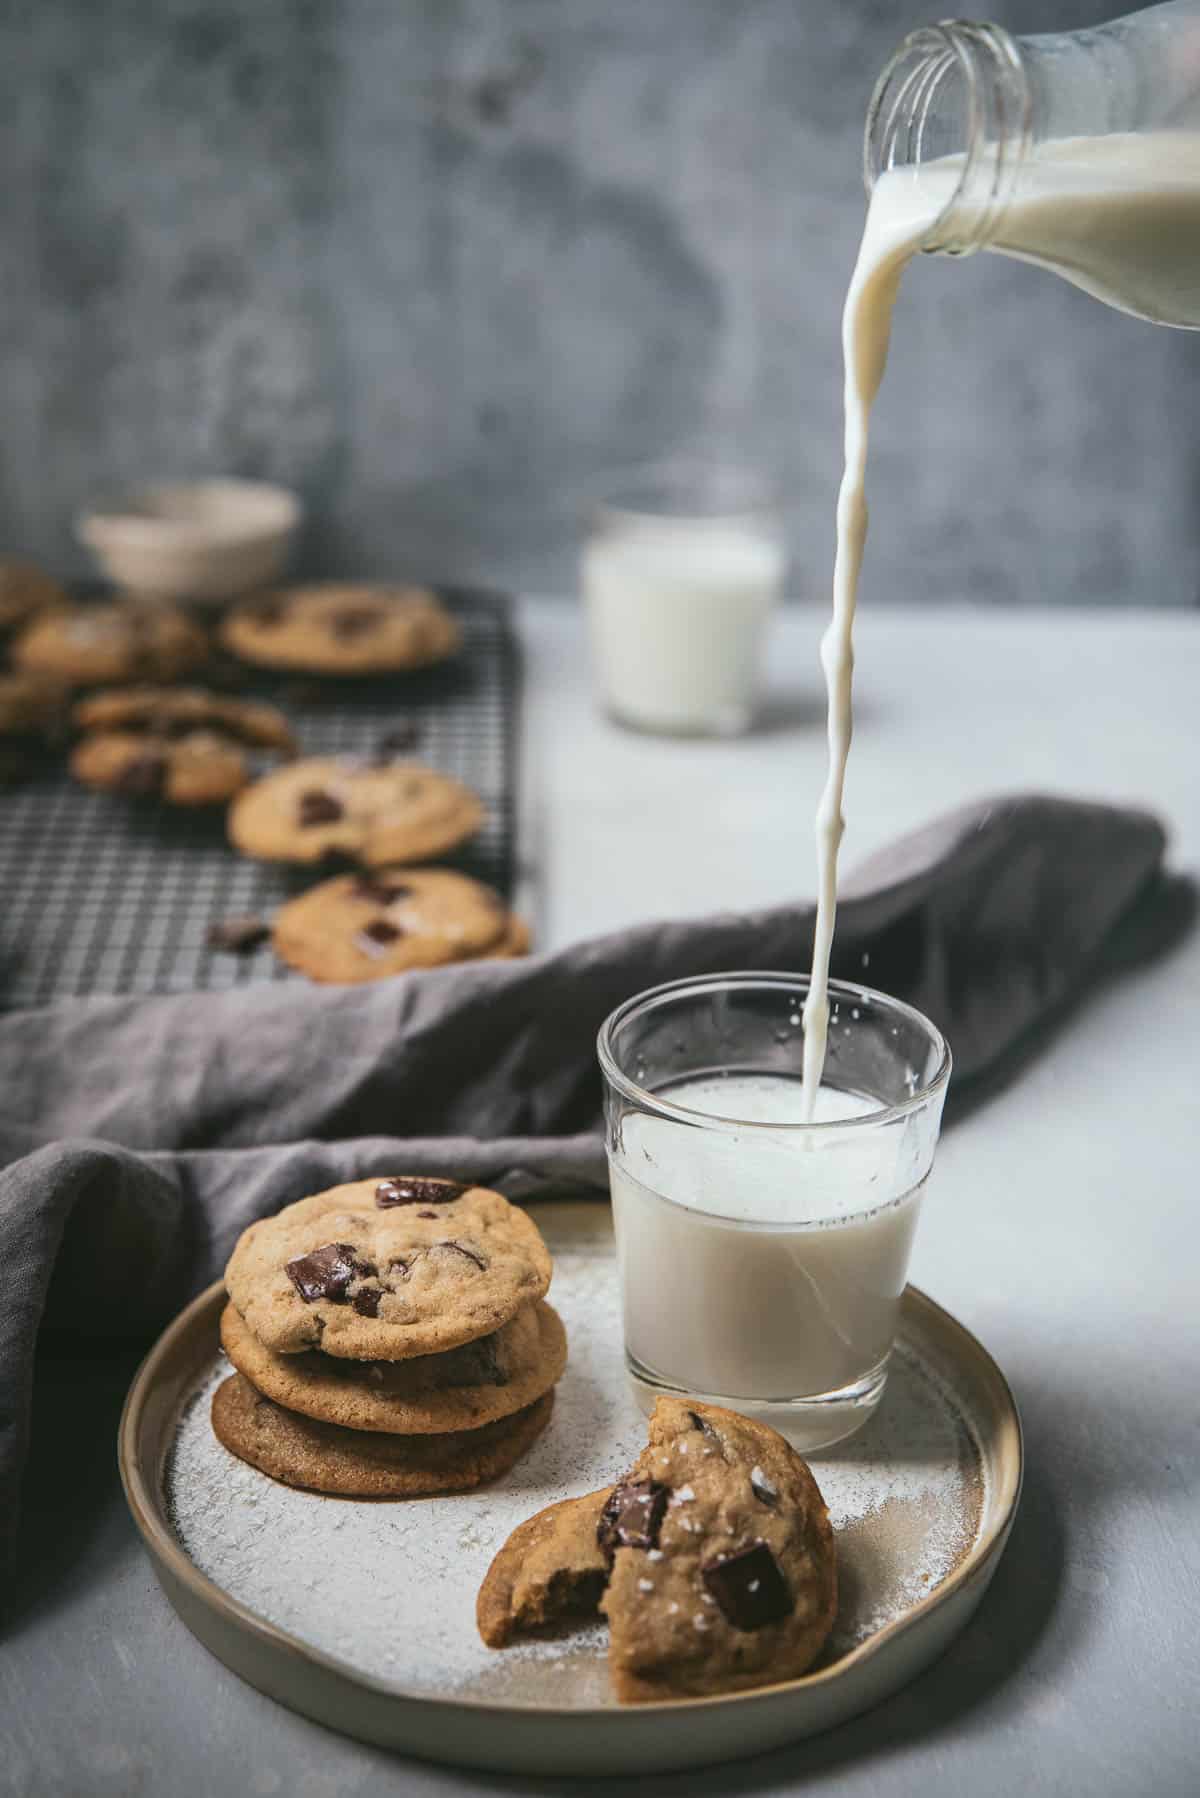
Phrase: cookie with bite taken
(719, 1571)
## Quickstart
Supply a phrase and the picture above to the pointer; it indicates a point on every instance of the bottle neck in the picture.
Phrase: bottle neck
(975, 92)
(955, 89)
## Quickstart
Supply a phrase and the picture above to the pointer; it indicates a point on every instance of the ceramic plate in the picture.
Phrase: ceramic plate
(361, 1614)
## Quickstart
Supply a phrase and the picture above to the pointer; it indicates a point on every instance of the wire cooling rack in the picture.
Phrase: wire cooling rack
(103, 894)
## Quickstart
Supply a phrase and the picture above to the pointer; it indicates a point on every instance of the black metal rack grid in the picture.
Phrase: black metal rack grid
(103, 894)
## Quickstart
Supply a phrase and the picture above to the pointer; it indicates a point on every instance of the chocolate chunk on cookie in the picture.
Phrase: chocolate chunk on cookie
(322, 1457)
(327, 1272)
(748, 1587)
(462, 1389)
(550, 1569)
(394, 812)
(343, 930)
(437, 1282)
(121, 640)
(633, 1516)
(316, 806)
(143, 773)
(417, 1189)
(343, 628)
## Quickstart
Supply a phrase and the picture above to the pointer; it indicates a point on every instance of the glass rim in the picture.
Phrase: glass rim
(653, 1102)
(651, 494)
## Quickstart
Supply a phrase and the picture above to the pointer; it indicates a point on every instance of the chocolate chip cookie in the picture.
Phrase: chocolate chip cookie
(343, 628)
(376, 812)
(379, 1270)
(463, 1389)
(721, 1565)
(123, 640)
(177, 711)
(552, 1567)
(321, 1457)
(202, 768)
(26, 590)
(366, 926)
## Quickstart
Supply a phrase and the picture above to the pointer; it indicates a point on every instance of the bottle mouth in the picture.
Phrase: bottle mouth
(955, 89)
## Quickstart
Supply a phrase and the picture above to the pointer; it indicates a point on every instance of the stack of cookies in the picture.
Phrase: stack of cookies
(391, 1340)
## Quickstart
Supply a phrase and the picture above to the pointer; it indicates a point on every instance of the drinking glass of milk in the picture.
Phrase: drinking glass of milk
(681, 568)
(762, 1257)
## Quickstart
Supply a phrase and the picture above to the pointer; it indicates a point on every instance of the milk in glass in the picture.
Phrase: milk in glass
(677, 611)
(767, 1266)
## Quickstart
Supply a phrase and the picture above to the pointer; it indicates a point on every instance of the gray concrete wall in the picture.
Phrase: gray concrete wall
(435, 262)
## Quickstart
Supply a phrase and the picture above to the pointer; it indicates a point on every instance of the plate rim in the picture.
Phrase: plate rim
(145, 1500)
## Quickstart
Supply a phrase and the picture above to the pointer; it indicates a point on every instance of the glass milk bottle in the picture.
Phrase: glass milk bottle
(1078, 151)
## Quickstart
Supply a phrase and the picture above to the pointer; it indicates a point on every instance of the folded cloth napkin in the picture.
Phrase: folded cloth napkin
(138, 1137)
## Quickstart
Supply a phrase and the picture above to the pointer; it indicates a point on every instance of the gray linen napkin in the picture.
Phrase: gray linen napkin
(141, 1135)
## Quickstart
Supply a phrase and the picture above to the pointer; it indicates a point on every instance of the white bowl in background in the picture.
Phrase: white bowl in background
(208, 540)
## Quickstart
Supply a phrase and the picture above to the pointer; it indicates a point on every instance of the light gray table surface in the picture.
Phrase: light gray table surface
(1063, 1227)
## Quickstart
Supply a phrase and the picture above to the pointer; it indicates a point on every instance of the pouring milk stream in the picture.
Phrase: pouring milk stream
(1117, 214)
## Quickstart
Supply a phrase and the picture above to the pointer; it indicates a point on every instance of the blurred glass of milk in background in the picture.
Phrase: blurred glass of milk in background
(682, 566)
